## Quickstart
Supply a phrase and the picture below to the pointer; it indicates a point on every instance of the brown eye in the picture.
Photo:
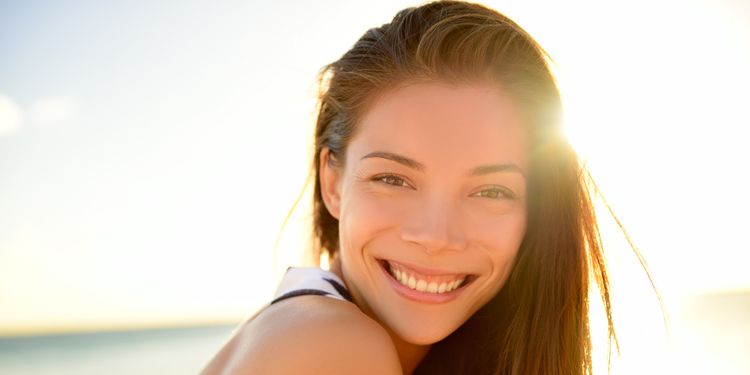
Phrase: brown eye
(390, 180)
(495, 193)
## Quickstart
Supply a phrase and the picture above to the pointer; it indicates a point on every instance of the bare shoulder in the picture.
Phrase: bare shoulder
(308, 334)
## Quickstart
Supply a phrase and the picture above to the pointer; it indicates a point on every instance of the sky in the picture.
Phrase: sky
(150, 150)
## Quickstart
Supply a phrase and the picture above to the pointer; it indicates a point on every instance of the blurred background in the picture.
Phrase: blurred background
(150, 151)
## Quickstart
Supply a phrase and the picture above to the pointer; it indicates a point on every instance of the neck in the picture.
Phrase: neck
(408, 354)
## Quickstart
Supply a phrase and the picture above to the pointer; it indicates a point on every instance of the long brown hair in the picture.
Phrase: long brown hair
(539, 321)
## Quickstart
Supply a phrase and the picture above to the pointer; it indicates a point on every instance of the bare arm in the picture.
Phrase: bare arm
(332, 341)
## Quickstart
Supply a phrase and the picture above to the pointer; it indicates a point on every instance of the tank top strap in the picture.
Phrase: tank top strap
(298, 281)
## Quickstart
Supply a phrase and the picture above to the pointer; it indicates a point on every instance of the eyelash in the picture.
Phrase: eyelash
(383, 177)
(500, 193)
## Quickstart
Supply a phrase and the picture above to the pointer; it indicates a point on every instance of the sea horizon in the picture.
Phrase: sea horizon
(164, 350)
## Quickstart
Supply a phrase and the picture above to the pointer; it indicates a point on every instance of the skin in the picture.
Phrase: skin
(282, 339)
(439, 217)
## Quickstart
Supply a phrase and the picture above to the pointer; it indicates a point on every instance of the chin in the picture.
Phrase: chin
(420, 331)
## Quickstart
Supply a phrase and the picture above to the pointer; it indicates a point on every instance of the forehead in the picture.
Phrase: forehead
(445, 126)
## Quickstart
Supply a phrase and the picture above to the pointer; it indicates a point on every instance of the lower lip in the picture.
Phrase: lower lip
(418, 296)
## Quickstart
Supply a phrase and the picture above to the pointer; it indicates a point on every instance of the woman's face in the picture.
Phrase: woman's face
(434, 186)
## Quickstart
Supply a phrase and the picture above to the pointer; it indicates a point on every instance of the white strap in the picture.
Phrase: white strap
(308, 278)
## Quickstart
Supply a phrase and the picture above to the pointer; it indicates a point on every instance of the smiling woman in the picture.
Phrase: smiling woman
(428, 209)
(456, 215)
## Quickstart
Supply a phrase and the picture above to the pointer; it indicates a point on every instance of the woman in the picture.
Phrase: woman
(456, 216)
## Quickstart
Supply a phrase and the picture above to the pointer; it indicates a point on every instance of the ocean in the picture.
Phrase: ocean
(168, 351)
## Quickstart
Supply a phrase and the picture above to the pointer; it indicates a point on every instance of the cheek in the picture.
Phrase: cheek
(500, 241)
(364, 215)
(501, 237)
(501, 226)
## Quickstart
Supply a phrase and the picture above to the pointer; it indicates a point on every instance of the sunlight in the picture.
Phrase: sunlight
(639, 117)
(145, 179)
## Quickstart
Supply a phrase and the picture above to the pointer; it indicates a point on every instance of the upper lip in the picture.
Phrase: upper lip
(425, 271)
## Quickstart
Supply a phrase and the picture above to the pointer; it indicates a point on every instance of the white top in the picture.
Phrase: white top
(299, 281)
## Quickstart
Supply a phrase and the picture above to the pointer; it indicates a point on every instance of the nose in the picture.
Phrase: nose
(435, 225)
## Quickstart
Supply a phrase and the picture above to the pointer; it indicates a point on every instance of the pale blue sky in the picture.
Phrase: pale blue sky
(158, 150)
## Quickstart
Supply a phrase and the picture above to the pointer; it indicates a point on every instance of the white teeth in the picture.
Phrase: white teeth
(422, 285)
(432, 287)
(442, 287)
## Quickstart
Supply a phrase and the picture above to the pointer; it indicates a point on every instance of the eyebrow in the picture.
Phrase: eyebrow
(476, 171)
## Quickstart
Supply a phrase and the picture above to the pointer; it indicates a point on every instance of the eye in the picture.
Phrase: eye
(391, 180)
(495, 193)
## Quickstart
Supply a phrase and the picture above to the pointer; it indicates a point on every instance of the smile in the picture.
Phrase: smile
(424, 285)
